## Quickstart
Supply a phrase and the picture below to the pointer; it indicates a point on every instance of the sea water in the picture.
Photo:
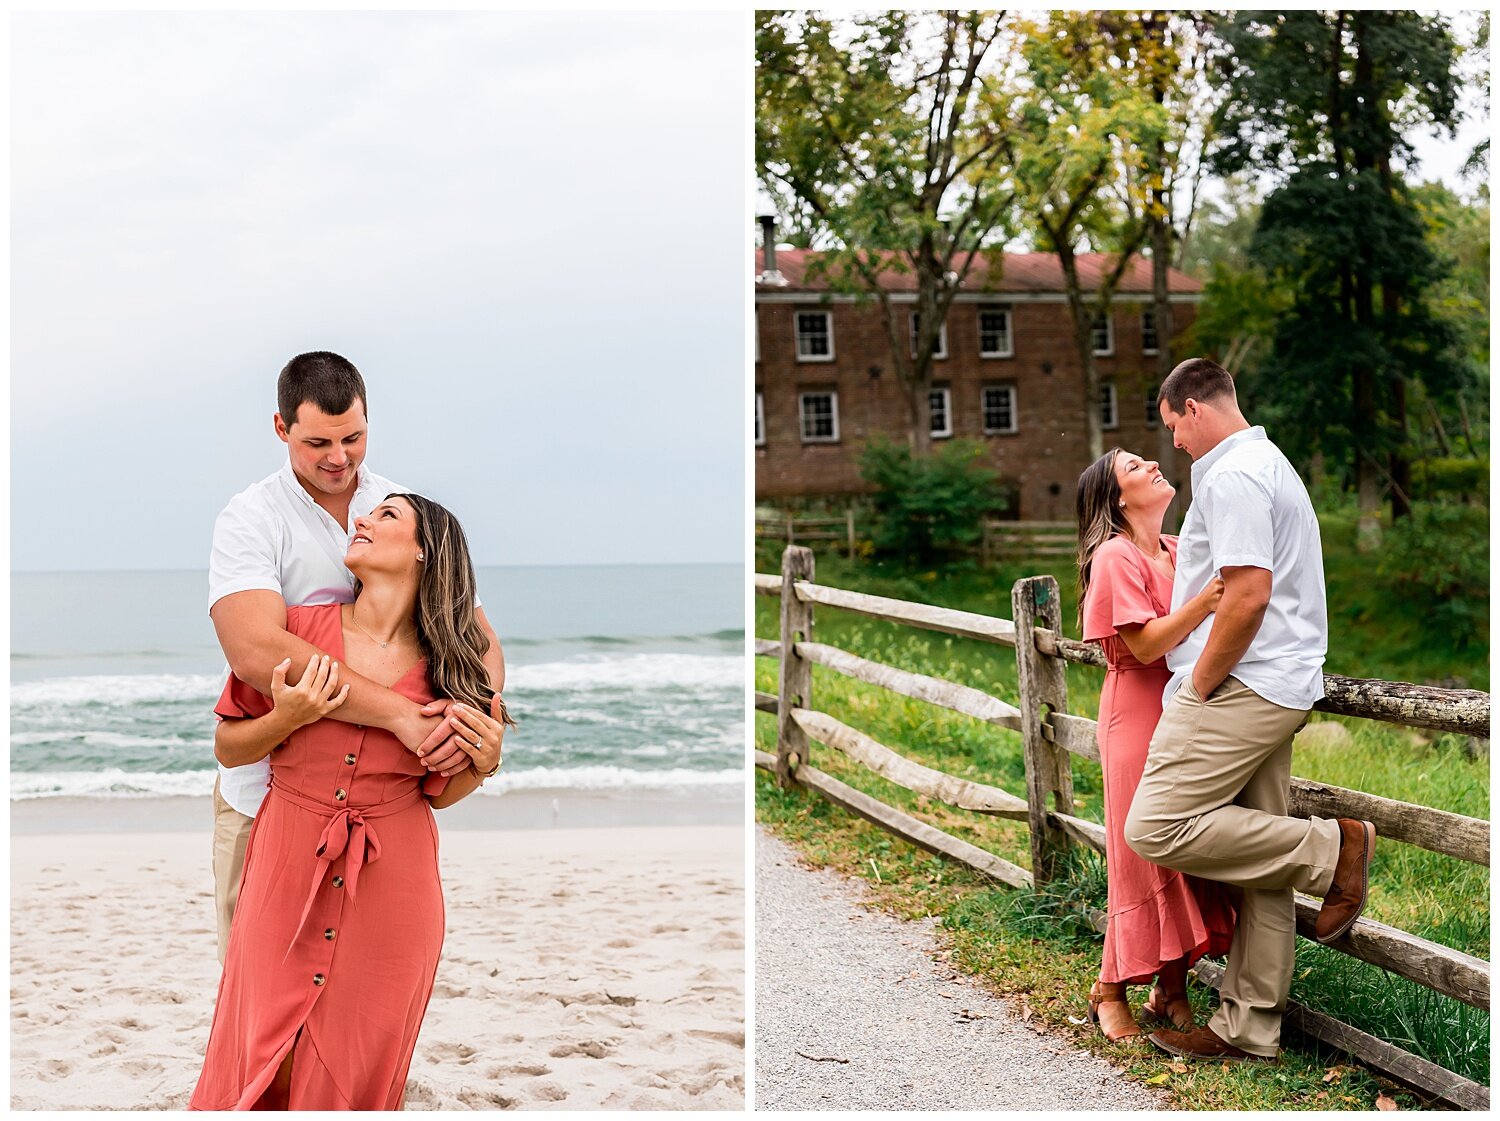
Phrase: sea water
(626, 679)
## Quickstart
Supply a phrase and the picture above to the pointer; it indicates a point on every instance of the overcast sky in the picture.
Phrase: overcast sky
(527, 231)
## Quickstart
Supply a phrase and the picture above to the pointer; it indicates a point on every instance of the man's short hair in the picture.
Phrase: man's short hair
(1202, 379)
(327, 380)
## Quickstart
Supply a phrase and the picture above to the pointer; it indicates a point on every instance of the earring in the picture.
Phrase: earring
(1122, 506)
(421, 558)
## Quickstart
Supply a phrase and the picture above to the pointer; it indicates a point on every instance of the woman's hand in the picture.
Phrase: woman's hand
(1209, 597)
(479, 734)
(313, 697)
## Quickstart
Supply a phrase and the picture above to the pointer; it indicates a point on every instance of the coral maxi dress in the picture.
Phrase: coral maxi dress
(1156, 915)
(339, 922)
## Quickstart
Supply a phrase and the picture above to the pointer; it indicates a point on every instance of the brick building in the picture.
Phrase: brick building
(1007, 374)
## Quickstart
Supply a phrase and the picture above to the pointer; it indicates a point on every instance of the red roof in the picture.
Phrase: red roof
(1017, 272)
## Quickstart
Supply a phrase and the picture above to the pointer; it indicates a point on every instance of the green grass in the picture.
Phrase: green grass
(1034, 945)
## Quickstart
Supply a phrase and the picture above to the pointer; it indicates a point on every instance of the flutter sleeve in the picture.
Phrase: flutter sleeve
(1117, 595)
(240, 702)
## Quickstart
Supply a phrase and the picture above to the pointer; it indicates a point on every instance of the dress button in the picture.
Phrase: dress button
(318, 978)
(338, 881)
(340, 795)
(349, 760)
(328, 934)
(359, 727)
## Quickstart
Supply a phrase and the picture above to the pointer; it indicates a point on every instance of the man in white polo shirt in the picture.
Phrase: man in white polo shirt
(282, 541)
(1214, 796)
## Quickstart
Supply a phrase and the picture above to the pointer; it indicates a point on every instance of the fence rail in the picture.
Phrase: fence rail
(1000, 538)
(1050, 735)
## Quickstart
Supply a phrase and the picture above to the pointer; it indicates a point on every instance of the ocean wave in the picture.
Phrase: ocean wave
(118, 689)
(650, 672)
(634, 671)
(113, 783)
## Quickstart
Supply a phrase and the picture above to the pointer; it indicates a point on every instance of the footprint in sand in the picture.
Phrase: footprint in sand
(528, 1070)
(53, 1069)
(420, 1094)
(449, 1052)
(138, 1067)
(733, 1038)
(544, 1092)
(485, 1099)
(592, 1048)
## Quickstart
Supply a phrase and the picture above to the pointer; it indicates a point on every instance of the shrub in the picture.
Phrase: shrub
(1466, 478)
(928, 507)
(1440, 555)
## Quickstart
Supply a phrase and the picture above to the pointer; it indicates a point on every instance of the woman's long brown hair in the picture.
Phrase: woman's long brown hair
(447, 627)
(1099, 516)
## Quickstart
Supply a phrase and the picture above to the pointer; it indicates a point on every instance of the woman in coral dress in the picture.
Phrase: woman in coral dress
(339, 923)
(1159, 921)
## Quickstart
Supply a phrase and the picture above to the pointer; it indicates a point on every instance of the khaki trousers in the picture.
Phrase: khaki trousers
(1213, 803)
(231, 832)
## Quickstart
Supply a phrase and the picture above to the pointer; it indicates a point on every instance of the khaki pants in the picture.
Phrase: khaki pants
(231, 832)
(1213, 803)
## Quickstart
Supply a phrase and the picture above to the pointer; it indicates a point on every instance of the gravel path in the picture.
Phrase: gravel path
(837, 981)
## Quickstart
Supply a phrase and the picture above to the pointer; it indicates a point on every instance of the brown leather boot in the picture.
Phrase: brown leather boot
(1202, 1043)
(1351, 881)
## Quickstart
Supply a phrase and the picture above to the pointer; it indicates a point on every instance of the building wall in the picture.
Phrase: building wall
(1041, 460)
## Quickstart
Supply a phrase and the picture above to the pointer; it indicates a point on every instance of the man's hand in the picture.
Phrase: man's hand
(315, 695)
(440, 751)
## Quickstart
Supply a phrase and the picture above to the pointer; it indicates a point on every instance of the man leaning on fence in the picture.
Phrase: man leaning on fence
(1213, 799)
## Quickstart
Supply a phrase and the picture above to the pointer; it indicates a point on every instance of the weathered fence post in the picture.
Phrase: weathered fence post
(794, 689)
(1043, 685)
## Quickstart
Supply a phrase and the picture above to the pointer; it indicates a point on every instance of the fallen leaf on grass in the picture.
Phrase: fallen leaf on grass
(1179, 1068)
(1026, 1012)
(1334, 1074)
(1158, 1079)
(1383, 1102)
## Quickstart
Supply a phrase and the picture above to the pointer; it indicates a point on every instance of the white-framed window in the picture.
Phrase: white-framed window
(995, 339)
(941, 351)
(760, 419)
(814, 336)
(1149, 342)
(998, 406)
(940, 410)
(1153, 414)
(1109, 412)
(1104, 335)
(819, 410)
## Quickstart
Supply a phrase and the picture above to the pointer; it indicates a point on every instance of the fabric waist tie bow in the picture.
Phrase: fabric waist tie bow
(348, 831)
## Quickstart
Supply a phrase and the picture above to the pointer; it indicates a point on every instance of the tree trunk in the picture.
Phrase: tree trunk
(1366, 411)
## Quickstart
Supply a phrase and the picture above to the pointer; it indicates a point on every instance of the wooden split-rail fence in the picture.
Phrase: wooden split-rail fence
(1050, 733)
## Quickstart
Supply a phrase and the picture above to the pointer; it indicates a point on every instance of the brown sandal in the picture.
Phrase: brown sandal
(1170, 1010)
(1096, 1001)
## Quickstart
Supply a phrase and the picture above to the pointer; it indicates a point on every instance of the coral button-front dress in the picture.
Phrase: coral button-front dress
(339, 923)
(1156, 915)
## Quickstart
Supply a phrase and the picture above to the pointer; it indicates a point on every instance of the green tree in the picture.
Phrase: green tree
(886, 137)
(1324, 101)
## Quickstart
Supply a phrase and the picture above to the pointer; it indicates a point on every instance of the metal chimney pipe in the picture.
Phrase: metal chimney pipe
(769, 274)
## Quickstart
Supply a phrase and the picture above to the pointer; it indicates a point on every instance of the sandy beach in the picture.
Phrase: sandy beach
(584, 968)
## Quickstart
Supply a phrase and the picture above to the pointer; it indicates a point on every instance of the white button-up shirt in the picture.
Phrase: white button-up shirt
(272, 536)
(1250, 509)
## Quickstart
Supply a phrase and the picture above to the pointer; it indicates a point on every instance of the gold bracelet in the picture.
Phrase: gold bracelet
(492, 772)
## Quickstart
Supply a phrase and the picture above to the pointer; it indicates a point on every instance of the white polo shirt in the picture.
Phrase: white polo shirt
(272, 536)
(1250, 508)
